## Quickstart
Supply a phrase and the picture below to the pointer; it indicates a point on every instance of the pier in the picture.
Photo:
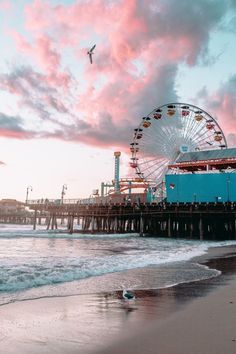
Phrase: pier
(211, 221)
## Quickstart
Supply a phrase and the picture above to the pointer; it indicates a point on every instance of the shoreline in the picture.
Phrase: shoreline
(205, 323)
(73, 288)
(98, 323)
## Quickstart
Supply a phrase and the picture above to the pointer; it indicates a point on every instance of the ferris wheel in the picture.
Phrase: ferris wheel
(166, 132)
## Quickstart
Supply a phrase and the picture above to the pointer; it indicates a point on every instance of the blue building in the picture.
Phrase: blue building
(204, 176)
(203, 187)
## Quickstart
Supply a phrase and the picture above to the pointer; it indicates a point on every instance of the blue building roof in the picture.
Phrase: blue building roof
(207, 155)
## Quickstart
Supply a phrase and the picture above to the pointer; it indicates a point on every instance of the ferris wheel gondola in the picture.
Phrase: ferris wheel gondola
(166, 132)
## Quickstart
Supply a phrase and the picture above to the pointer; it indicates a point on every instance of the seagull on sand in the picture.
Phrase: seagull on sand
(128, 295)
(90, 53)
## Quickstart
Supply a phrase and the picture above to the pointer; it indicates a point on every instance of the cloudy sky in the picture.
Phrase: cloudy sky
(62, 118)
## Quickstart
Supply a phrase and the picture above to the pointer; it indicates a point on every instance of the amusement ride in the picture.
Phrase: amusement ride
(168, 131)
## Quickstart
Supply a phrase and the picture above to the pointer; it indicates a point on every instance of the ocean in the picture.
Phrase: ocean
(37, 264)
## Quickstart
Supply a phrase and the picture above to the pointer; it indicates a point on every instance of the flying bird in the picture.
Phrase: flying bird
(90, 53)
(128, 295)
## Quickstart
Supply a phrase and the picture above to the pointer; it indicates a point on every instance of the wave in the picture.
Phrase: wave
(29, 260)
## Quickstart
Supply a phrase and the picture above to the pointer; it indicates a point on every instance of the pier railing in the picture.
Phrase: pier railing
(74, 201)
(190, 220)
(53, 201)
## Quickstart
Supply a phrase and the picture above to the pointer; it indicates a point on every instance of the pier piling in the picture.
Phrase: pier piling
(212, 221)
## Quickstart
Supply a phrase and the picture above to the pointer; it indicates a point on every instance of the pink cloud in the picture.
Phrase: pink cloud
(15, 134)
(5, 5)
(222, 105)
(128, 25)
(37, 15)
(127, 30)
(42, 50)
(21, 43)
(139, 47)
(48, 56)
(225, 108)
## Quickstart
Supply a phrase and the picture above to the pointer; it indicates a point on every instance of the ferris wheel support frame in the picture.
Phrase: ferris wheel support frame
(198, 128)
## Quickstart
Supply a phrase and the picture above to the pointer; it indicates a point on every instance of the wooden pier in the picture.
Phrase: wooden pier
(212, 221)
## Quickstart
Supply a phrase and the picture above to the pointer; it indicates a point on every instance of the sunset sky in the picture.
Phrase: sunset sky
(62, 118)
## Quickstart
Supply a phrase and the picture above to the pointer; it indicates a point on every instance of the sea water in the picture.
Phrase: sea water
(39, 263)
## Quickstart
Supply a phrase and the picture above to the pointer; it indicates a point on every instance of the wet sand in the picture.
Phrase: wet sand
(204, 325)
(198, 317)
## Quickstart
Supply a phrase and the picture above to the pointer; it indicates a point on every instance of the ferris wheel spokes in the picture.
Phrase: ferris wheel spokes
(166, 132)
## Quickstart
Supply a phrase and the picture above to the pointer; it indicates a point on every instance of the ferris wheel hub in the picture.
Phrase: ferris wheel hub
(184, 148)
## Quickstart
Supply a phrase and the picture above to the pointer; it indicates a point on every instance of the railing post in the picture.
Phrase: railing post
(169, 226)
(200, 228)
(141, 225)
(35, 219)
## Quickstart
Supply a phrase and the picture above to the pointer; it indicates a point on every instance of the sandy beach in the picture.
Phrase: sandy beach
(197, 317)
(205, 325)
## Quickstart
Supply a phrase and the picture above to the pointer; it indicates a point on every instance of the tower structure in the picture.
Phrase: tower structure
(117, 171)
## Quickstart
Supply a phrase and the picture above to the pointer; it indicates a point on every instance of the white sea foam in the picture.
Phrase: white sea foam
(31, 259)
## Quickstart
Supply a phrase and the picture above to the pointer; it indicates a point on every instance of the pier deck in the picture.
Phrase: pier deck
(216, 221)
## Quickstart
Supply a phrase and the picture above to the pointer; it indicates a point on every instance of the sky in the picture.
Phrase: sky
(62, 118)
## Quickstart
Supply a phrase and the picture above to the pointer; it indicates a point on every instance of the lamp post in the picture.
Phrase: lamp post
(64, 188)
(29, 188)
